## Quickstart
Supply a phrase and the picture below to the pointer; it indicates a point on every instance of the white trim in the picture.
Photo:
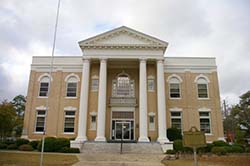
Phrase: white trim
(95, 77)
(174, 75)
(70, 108)
(93, 113)
(175, 109)
(206, 117)
(44, 75)
(204, 109)
(42, 108)
(72, 75)
(201, 76)
(151, 114)
(121, 109)
(71, 97)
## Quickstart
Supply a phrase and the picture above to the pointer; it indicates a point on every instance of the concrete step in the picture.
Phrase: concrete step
(128, 148)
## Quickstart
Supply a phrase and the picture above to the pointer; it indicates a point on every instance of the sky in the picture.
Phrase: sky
(193, 28)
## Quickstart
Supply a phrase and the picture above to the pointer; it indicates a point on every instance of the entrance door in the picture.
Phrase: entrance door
(122, 130)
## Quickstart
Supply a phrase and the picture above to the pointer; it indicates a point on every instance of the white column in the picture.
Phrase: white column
(101, 116)
(161, 103)
(82, 121)
(143, 134)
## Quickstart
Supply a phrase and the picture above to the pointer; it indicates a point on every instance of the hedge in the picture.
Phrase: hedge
(70, 150)
(25, 147)
(178, 146)
(170, 151)
(174, 134)
(52, 144)
(12, 147)
(219, 150)
(34, 144)
(3, 146)
(21, 141)
(220, 143)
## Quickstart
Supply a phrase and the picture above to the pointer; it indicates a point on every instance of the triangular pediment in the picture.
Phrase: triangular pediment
(123, 36)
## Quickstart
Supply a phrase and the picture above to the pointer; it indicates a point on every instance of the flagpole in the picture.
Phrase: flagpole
(50, 73)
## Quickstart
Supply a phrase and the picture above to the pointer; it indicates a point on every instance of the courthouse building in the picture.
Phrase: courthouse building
(122, 87)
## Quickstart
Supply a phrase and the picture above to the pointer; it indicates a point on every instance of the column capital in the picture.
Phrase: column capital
(159, 60)
(103, 59)
(86, 59)
(143, 60)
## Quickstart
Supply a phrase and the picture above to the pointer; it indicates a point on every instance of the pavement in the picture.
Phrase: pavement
(103, 159)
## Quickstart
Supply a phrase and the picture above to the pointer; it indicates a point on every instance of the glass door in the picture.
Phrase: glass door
(122, 130)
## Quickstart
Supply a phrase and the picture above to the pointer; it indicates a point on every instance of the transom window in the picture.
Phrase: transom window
(202, 86)
(69, 122)
(174, 88)
(40, 120)
(123, 86)
(205, 122)
(71, 86)
(44, 86)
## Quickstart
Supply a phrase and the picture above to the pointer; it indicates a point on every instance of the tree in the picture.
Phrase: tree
(19, 104)
(7, 119)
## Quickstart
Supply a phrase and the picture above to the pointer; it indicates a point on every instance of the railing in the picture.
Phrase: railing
(118, 101)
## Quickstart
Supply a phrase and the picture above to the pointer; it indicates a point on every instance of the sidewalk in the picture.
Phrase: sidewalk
(119, 160)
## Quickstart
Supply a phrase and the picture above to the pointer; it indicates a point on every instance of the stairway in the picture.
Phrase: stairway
(128, 148)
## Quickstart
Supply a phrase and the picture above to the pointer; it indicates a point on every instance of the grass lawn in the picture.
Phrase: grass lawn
(33, 159)
(212, 161)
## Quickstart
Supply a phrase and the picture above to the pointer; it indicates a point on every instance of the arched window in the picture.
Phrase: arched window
(174, 86)
(202, 86)
(44, 85)
(123, 86)
(72, 81)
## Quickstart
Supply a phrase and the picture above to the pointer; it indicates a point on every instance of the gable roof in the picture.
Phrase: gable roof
(123, 37)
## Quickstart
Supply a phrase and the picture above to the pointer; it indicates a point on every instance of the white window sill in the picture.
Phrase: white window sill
(208, 134)
(175, 98)
(69, 133)
(70, 97)
(203, 98)
(42, 97)
(37, 132)
(151, 90)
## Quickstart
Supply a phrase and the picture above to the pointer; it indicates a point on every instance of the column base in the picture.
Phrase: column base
(81, 139)
(162, 140)
(100, 139)
(143, 139)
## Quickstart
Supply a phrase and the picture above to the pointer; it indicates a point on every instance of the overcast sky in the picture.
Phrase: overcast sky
(196, 28)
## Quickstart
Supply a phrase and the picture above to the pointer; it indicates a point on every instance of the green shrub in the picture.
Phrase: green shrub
(228, 149)
(178, 146)
(219, 150)
(25, 147)
(34, 144)
(12, 147)
(61, 143)
(247, 150)
(220, 143)
(8, 142)
(70, 150)
(188, 150)
(49, 144)
(173, 134)
(3, 146)
(21, 141)
(170, 151)
(237, 149)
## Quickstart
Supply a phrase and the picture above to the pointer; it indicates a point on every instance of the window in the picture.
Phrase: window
(151, 85)
(44, 86)
(205, 122)
(71, 80)
(123, 86)
(93, 122)
(174, 87)
(202, 86)
(69, 122)
(151, 123)
(176, 120)
(95, 84)
(40, 120)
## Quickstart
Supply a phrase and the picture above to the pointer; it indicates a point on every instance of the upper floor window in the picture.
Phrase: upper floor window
(123, 86)
(202, 86)
(72, 80)
(151, 84)
(44, 85)
(174, 86)
(94, 83)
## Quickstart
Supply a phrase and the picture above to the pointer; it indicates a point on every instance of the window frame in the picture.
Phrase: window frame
(93, 125)
(174, 79)
(75, 79)
(95, 88)
(41, 116)
(69, 116)
(151, 125)
(206, 117)
(67, 86)
(176, 117)
(202, 79)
